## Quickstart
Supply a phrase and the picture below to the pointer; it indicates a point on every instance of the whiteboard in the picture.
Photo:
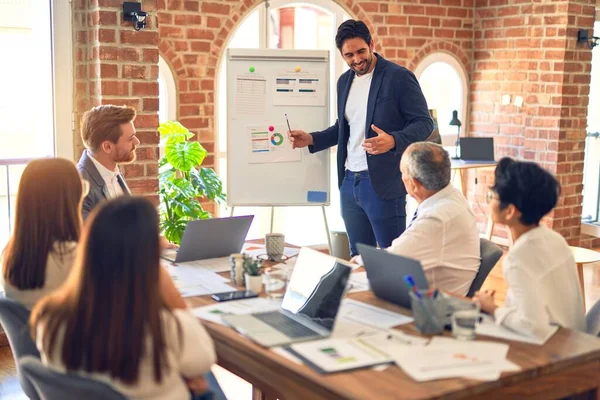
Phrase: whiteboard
(262, 86)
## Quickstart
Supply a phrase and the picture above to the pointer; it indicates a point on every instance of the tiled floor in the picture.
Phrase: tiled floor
(238, 389)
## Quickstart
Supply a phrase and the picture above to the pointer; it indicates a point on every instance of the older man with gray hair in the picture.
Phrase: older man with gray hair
(443, 233)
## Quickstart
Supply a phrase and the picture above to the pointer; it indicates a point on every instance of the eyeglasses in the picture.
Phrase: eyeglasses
(491, 195)
(85, 188)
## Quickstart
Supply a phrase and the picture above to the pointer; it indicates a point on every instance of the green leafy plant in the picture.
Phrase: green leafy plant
(183, 182)
(252, 266)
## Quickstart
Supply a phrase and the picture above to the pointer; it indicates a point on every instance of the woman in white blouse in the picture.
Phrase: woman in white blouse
(41, 249)
(543, 289)
(119, 318)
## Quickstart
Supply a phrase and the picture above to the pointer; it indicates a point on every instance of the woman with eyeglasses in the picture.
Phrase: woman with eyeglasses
(113, 320)
(41, 249)
(540, 271)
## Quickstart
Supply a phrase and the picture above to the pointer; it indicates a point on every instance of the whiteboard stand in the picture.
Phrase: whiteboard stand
(324, 220)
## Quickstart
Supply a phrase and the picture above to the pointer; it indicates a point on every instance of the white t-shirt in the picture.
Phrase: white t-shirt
(57, 270)
(543, 288)
(356, 114)
(190, 358)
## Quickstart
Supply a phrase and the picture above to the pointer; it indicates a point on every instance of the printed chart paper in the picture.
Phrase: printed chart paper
(269, 144)
(304, 88)
(250, 95)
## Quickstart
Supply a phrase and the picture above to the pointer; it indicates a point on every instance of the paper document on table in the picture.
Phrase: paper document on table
(449, 358)
(489, 327)
(197, 281)
(358, 282)
(331, 355)
(255, 250)
(219, 264)
(371, 315)
(214, 312)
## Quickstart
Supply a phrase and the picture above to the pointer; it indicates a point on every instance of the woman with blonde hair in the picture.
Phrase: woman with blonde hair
(41, 249)
(117, 318)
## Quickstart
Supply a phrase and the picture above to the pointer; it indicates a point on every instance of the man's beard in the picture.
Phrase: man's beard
(126, 158)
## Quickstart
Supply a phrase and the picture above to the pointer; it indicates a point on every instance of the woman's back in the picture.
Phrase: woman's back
(190, 354)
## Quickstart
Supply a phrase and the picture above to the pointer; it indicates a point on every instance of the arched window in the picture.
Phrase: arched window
(444, 84)
(591, 171)
(167, 92)
(284, 24)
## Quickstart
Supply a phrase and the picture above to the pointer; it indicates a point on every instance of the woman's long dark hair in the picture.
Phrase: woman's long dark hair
(111, 303)
(48, 212)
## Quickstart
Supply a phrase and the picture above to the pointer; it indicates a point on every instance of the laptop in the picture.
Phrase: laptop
(310, 304)
(477, 150)
(211, 238)
(386, 271)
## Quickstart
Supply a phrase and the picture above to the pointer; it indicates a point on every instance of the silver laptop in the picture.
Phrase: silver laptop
(310, 304)
(386, 271)
(211, 238)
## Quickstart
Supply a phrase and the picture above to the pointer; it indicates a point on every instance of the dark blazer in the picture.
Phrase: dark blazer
(98, 190)
(396, 104)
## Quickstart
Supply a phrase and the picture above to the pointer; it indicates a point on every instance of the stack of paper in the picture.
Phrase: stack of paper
(214, 312)
(449, 358)
(488, 327)
(197, 281)
(366, 314)
(255, 250)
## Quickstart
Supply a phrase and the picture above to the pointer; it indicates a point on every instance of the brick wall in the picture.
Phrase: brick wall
(116, 65)
(527, 48)
(517, 47)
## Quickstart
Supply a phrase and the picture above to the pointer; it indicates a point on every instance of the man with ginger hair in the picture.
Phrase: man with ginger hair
(109, 136)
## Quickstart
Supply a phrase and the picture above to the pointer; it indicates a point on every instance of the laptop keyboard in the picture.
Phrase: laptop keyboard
(285, 325)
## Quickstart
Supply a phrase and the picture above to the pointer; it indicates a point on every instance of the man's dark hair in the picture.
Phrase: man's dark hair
(529, 187)
(351, 29)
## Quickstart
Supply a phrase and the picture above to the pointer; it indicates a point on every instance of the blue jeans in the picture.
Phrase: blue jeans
(368, 218)
(214, 390)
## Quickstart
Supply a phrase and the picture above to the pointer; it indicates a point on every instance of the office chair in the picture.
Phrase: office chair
(53, 385)
(490, 254)
(14, 319)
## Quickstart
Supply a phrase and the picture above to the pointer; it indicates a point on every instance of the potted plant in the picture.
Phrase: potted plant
(182, 182)
(253, 274)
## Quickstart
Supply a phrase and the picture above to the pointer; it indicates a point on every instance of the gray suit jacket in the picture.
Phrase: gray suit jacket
(98, 190)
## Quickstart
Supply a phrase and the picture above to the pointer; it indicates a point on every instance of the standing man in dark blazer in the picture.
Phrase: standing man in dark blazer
(381, 111)
(110, 139)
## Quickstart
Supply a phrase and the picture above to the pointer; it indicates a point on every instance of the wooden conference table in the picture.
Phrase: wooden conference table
(569, 363)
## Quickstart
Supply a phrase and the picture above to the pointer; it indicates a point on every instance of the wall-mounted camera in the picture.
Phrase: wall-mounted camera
(133, 12)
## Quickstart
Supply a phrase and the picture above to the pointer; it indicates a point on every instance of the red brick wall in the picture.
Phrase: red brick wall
(529, 49)
(116, 65)
(517, 47)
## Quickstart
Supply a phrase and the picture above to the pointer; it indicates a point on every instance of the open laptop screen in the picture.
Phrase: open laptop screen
(316, 288)
(477, 148)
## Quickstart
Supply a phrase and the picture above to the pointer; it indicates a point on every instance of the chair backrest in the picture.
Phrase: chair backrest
(53, 385)
(490, 254)
(340, 245)
(14, 319)
(592, 320)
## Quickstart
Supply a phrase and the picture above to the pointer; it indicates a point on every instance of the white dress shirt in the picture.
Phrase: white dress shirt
(445, 239)
(190, 353)
(110, 178)
(543, 288)
(356, 114)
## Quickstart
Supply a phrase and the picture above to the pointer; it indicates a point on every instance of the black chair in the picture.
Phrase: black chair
(490, 254)
(53, 385)
(592, 320)
(14, 319)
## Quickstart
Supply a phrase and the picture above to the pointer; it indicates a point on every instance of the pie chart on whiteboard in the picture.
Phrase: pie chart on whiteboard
(277, 139)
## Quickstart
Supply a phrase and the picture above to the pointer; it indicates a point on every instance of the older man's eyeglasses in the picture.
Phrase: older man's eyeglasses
(491, 195)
